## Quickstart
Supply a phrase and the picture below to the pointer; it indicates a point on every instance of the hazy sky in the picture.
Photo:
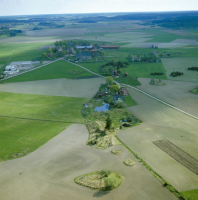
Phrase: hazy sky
(25, 7)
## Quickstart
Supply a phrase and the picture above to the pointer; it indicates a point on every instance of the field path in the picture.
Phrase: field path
(48, 173)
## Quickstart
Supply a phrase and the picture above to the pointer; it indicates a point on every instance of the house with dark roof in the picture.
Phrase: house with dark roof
(84, 56)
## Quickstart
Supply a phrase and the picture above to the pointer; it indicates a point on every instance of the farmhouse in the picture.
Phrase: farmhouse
(109, 47)
(84, 47)
(122, 91)
(84, 56)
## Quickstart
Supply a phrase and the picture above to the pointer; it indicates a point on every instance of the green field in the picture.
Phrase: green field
(55, 108)
(129, 101)
(20, 136)
(59, 69)
(191, 195)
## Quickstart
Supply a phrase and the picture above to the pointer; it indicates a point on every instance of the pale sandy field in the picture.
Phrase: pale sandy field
(56, 87)
(174, 92)
(48, 173)
(162, 122)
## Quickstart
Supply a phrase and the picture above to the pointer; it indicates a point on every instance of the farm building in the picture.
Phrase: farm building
(84, 56)
(114, 72)
(10, 68)
(122, 91)
(84, 47)
(101, 94)
(109, 47)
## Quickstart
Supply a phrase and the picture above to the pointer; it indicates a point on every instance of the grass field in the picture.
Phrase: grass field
(55, 108)
(191, 195)
(18, 137)
(181, 65)
(135, 69)
(55, 70)
(129, 101)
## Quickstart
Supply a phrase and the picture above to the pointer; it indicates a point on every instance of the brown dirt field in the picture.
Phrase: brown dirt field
(174, 92)
(162, 122)
(48, 173)
(178, 154)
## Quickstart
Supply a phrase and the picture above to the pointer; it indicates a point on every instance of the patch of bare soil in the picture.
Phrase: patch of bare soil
(178, 154)
(101, 180)
(129, 162)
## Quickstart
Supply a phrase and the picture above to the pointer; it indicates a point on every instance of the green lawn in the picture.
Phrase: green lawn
(24, 136)
(43, 107)
(129, 101)
(191, 195)
(135, 69)
(55, 70)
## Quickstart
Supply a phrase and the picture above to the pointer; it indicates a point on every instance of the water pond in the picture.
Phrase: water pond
(104, 107)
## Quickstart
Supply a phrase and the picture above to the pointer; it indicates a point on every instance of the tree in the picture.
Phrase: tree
(44, 55)
(108, 123)
(77, 51)
(119, 71)
(63, 53)
(49, 50)
(106, 71)
(109, 80)
(114, 88)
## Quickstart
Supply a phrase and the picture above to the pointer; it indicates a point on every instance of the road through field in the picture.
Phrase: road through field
(175, 93)
(162, 122)
(48, 173)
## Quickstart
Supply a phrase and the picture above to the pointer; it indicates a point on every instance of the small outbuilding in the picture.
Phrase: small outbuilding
(122, 91)
(126, 74)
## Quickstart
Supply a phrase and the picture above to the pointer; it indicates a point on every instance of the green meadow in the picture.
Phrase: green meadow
(18, 137)
(59, 69)
(41, 107)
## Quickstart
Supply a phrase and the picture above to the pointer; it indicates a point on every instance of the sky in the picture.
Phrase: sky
(31, 7)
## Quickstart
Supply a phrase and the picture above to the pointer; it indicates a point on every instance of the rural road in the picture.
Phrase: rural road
(48, 173)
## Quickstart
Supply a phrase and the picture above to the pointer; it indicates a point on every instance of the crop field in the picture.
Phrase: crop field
(162, 123)
(56, 87)
(59, 69)
(181, 65)
(48, 173)
(42, 107)
(19, 137)
(178, 154)
(46, 47)
(174, 92)
(56, 32)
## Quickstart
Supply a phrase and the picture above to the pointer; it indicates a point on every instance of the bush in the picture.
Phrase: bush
(110, 182)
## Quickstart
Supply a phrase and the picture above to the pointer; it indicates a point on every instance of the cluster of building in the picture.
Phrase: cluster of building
(14, 67)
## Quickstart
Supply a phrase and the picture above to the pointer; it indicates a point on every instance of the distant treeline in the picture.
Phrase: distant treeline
(193, 68)
(51, 24)
(8, 32)
(184, 22)
(87, 21)
(157, 73)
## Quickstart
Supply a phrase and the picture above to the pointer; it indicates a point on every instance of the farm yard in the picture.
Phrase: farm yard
(65, 157)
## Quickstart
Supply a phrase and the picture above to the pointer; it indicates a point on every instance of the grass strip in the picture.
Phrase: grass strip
(156, 175)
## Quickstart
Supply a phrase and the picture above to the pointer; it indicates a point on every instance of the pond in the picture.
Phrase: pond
(104, 107)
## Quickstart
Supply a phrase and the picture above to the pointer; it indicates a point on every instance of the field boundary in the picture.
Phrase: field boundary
(48, 120)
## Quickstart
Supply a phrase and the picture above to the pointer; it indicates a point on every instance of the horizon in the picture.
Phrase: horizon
(43, 7)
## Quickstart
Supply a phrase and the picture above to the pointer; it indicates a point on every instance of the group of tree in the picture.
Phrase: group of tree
(51, 24)
(107, 68)
(175, 74)
(193, 68)
(157, 73)
(144, 58)
(53, 53)
(8, 32)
